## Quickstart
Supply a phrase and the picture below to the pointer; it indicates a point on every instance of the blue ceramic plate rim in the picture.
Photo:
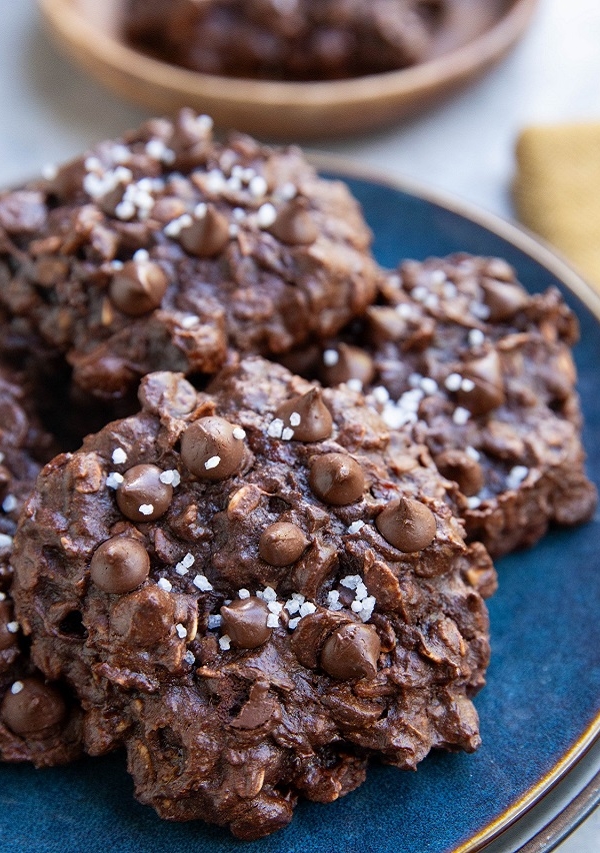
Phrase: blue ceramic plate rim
(542, 255)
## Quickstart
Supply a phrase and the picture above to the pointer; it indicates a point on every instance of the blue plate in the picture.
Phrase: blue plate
(539, 712)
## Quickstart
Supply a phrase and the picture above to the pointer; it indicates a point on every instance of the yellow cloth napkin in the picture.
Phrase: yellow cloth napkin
(557, 190)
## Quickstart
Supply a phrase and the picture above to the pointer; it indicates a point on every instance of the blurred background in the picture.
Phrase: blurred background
(464, 146)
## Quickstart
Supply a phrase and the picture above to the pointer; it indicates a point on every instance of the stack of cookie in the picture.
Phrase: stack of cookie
(262, 557)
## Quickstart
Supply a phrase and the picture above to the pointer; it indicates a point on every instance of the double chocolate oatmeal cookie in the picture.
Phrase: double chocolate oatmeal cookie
(254, 589)
(482, 373)
(37, 722)
(161, 249)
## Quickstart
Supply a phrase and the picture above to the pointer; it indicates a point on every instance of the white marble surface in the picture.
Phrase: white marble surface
(50, 111)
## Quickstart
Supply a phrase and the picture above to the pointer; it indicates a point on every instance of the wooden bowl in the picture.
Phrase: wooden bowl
(478, 34)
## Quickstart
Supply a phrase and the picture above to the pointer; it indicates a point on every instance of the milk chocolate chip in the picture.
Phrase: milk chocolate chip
(282, 543)
(138, 288)
(212, 448)
(345, 363)
(504, 299)
(336, 478)
(352, 651)
(463, 469)
(294, 224)
(32, 708)
(307, 415)
(407, 524)
(245, 622)
(207, 235)
(119, 565)
(142, 496)
(487, 391)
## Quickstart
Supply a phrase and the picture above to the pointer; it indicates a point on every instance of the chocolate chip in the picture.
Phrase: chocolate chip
(463, 469)
(385, 323)
(208, 234)
(336, 478)
(258, 710)
(352, 651)
(7, 638)
(307, 415)
(407, 524)
(282, 543)
(504, 299)
(245, 622)
(487, 392)
(138, 288)
(142, 496)
(144, 617)
(294, 224)
(119, 565)
(32, 708)
(348, 362)
(212, 448)
(68, 181)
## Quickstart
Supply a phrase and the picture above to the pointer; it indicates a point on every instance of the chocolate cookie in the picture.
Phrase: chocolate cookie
(298, 40)
(483, 374)
(37, 722)
(158, 250)
(255, 589)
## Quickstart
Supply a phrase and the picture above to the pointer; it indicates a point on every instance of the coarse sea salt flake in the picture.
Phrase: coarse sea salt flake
(114, 480)
(243, 593)
(181, 631)
(266, 215)
(17, 686)
(460, 416)
(258, 186)
(189, 321)
(5, 540)
(213, 462)
(307, 608)
(171, 477)
(330, 357)
(146, 509)
(368, 605)
(275, 428)
(189, 658)
(239, 433)
(356, 526)
(333, 600)
(203, 583)
(165, 584)
(12, 627)
(119, 456)
(272, 620)
(9, 503)
(453, 381)
(476, 337)
(214, 621)
(225, 642)
(287, 434)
